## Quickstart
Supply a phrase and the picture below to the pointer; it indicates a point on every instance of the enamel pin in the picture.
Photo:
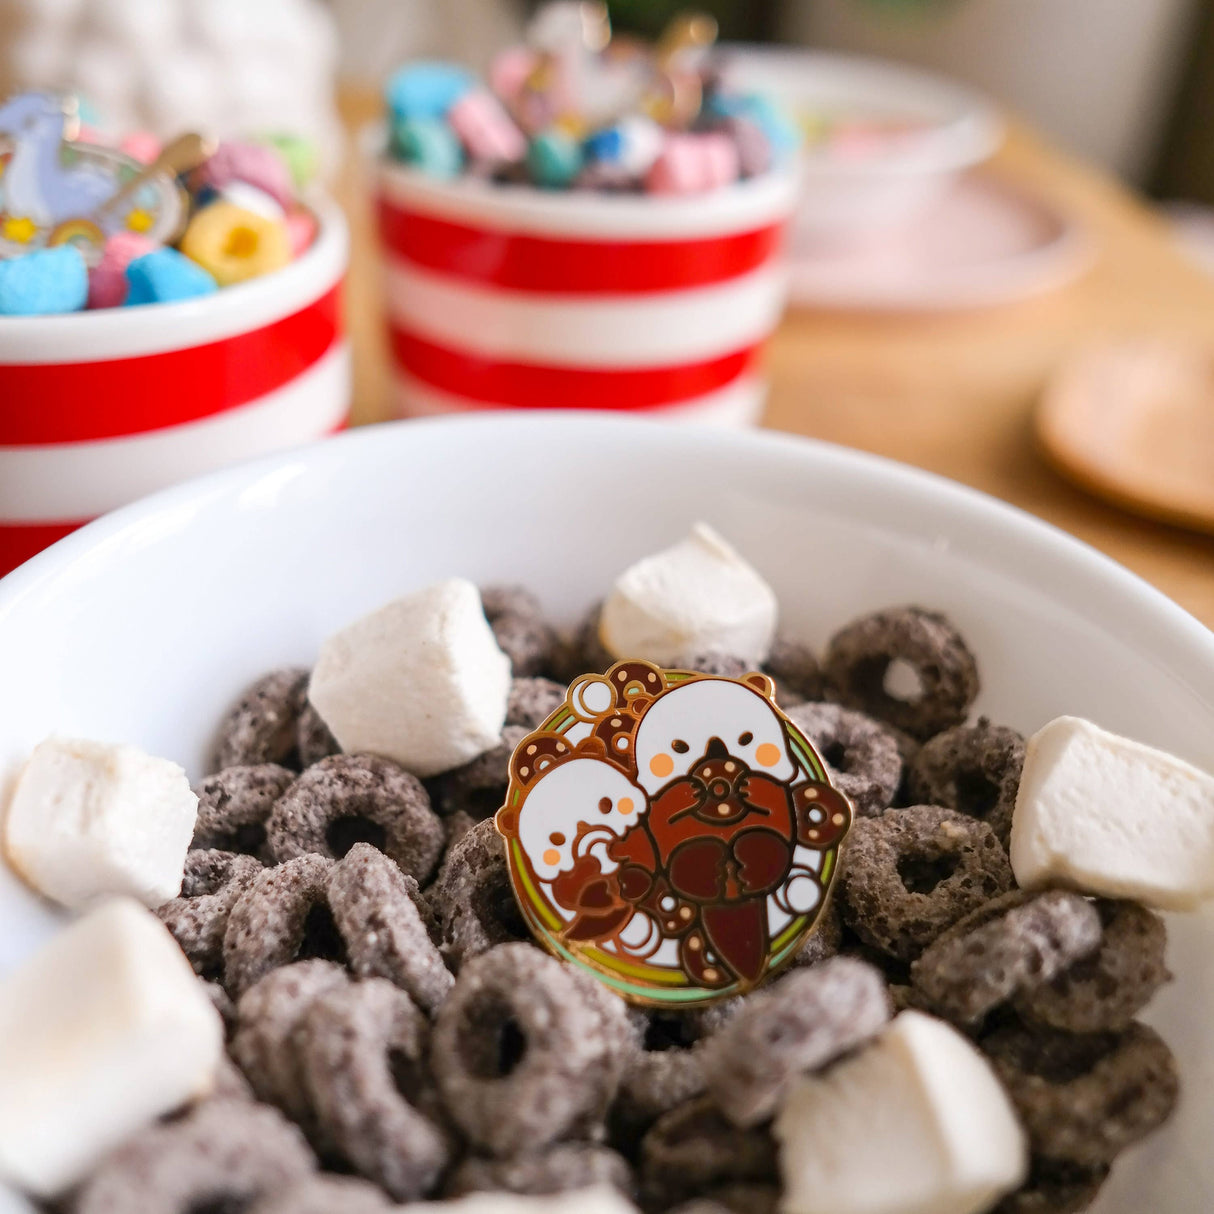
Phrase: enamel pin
(672, 832)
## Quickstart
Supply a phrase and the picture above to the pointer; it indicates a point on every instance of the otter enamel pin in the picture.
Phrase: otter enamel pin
(672, 832)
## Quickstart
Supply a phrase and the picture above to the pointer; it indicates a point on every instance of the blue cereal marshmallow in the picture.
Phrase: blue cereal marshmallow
(554, 159)
(43, 282)
(165, 276)
(430, 145)
(427, 89)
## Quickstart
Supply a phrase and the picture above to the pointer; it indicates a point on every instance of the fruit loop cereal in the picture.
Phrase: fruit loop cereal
(90, 221)
(575, 107)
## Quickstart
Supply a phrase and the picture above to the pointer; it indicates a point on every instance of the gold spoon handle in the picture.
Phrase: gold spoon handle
(180, 155)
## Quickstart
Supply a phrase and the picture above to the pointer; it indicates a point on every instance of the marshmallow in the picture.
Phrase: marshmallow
(420, 681)
(695, 597)
(101, 1032)
(917, 1123)
(1109, 816)
(601, 1199)
(89, 819)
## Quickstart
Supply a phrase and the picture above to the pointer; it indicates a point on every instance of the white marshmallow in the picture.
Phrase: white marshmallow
(101, 1032)
(601, 1199)
(917, 1123)
(88, 819)
(1111, 816)
(421, 681)
(698, 596)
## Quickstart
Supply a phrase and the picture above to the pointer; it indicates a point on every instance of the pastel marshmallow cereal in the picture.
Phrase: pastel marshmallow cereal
(1109, 816)
(101, 1032)
(917, 1123)
(421, 681)
(88, 819)
(694, 597)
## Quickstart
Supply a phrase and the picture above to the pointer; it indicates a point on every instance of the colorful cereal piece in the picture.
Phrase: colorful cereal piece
(426, 89)
(45, 281)
(554, 159)
(300, 154)
(485, 129)
(107, 279)
(255, 164)
(143, 146)
(166, 276)
(430, 145)
(780, 130)
(233, 244)
(301, 230)
(690, 163)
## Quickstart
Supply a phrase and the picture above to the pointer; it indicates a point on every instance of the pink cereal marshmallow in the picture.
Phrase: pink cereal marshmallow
(509, 71)
(256, 164)
(692, 163)
(301, 230)
(107, 279)
(485, 129)
(141, 145)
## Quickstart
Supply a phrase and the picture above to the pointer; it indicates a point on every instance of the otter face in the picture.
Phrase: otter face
(576, 809)
(682, 724)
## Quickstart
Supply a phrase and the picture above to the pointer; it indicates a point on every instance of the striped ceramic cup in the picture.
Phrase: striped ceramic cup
(99, 408)
(512, 297)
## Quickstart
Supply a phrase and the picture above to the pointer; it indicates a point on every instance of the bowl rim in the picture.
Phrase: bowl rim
(104, 333)
(966, 519)
(969, 136)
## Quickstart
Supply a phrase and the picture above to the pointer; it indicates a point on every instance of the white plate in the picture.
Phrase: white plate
(984, 242)
(142, 626)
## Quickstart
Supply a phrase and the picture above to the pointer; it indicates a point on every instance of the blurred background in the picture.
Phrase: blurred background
(1039, 324)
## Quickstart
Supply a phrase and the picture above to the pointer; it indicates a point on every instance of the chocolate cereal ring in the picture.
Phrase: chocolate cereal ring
(376, 910)
(562, 1168)
(694, 1149)
(363, 1050)
(1106, 990)
(653, 1083)
(326, 1195)
(911, 873)
(479, 788)
(795, 670)
(519, 1053)
(234, 805)
(522, 633)
(260, 727)
(223, 1155)
(722, 665)
(473, 899)
(212, 883)
(974, 769)
(860, 656)
(269, 1016)
(283, 916)
(585, 653)
(348, 799)
(1054, 1188)
(533, 701)
(862, 755)
(800, 1023)
(1012, 944)
(1084, 1098)
(314, 740)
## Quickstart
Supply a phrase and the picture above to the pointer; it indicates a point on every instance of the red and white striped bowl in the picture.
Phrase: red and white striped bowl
(100, 408)
(512, 297)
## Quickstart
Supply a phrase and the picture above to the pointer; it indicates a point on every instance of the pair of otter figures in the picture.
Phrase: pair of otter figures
(672, 822)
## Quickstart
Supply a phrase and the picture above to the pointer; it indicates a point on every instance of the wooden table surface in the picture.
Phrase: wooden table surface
(951, 393)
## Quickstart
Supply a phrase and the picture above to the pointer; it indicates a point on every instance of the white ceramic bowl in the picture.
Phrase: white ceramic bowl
(508, 296)
(846, 200)
(99, 408)
(144, 625)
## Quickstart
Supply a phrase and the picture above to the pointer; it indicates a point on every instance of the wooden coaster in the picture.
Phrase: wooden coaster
(1133, 421)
